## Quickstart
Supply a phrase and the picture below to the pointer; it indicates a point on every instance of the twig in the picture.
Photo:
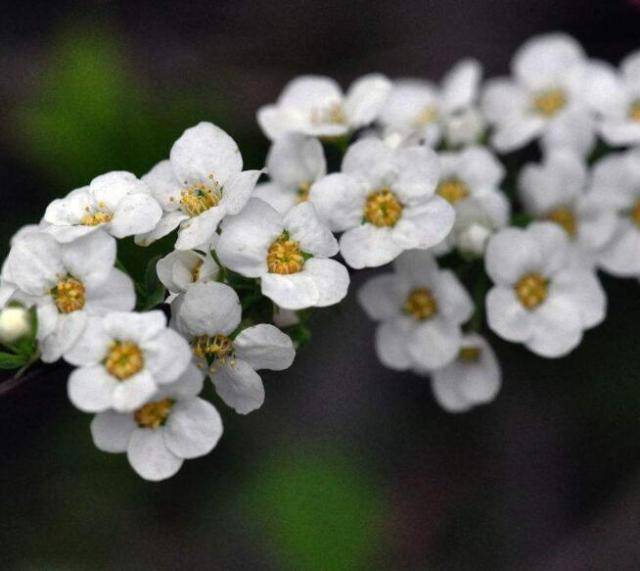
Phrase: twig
(19, 379)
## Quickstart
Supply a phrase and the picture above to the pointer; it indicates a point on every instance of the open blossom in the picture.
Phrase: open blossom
(116, 202)
(198, 186)
(182, 268)
(384, 201)
(557, 190)
(67, 283)
(421, 111)
(209, 316)
(122, 359)
(421, 309)
(615, 97)
(616, 187)
(545, 93)
(469, 181)
(294, 163)
(539, 298)
(472, 379)
(289, 253)
(315, 105)
(175, 425)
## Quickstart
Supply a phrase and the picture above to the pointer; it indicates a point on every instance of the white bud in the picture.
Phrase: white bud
(464, 127)
(15, 323)
(473, 239)
(285, 317)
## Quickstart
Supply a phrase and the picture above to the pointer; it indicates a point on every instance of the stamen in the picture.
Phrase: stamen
(428, 115)
(124, 360)
(200, 197)
(96, 218)
(69, 295)
(284, 256)
(635, 213)
(383, 208)
(453, 190)
(634, 111)
(215, 348)
(531, 290)
(153, 414)
(549, 102)
(565, 218)
(470, 354)
(303, 191)
(421, 304)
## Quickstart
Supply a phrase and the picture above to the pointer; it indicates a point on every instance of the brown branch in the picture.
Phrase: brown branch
(19, 379)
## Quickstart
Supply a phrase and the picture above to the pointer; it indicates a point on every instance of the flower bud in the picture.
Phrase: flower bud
(473, 239)
(15, 322)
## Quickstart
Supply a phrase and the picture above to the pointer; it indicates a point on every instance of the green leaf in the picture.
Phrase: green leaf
(9, 361)
(152, 292)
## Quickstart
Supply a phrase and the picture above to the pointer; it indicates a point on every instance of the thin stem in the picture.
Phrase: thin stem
(20, 378)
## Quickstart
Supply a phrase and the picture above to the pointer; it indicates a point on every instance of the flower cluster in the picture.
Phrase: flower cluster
(475, 242)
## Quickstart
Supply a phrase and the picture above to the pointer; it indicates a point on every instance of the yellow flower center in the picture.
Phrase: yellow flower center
(153, 414)
(421, 304)
(382, 208)
(96, 218)
(635, 213)
(124, 360)
(531, 290)
(549, 102)
(470, 354)
(200, 197)
(333, 114)
(215, 348)
(453, 190)
(69, 295)
(428, 115)
(634, 111)
(303, 191)
(565, 218)
(284, 256)
(195, 272)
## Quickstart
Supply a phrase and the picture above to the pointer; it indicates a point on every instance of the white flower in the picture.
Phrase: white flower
(421, 309)
(474, 378)
(315, 105)
(15, 323)
(616, 186)
(556, 190)
(616, 99)
(384, 201)
(116, 202)
(289, 253)
(209, 315)
(540, 299)
(420, 110)
(182, 268)
(66, 283)
(547, 91)
(123, 358)
(294, 163)
(469, 181)
(175, 425)
(201, 183)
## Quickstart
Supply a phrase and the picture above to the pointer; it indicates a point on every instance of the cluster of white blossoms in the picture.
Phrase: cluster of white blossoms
(478, 244)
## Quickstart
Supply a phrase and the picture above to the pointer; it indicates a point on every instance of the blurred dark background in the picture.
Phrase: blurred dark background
(348, 465)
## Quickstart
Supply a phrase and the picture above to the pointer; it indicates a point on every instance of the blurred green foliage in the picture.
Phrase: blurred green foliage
(319, 511)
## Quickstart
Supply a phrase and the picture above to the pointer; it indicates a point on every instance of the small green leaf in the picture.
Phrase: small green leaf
(9, 361)
(152, 292)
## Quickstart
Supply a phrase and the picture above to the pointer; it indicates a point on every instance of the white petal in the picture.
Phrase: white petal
(138, 327)
(265, 347)
(391, 344)
(368, 246)
(90, 389)
(571, 130)
(293, 291)
(200, 229)
(193, 428)
(305, 227)
(365, 99)
(175, 270)
(203, 151)
(454, 302)
(168, 223)
(507, 317)
(621, 256)
(478, 167)
(510, 254)
(407, 101)
(238, 190)
(296, 160)
(331, 279)
(620, 133)
(553, 244)
(380, 297)
(164, 185)
(111, 188)
(92, 346)
(90, 259)
(111, 431)
(424, 225)
(418, 171)
(167, 356)
(149, 456)
(133, 392)
(371, 160)
(557, 328)
(630, 68)
(434, 343)
(445, 386)
(34, 263)
(188, 386)
(239, 386)
(69, 328)
(115, 294)
(604, 91)
(135, 214)
(515, 132)
(339, 200)
(276, 196)
(246, 238)
(585, 291)
(503, 99)
(460, 85)
(209, 309)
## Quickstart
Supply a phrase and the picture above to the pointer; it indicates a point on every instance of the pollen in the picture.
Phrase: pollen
(124, 360)
(303, 191)
(549, 102)
(69, 295)
(382, 208)
(214, 348)
(565, 218)
(200, 197)
(154, 414)
(284, 256)
(469, 354)
(635, 214)
(427, 115)
(634, 111)
(532, 290)
(453, 190)
(96, 218)
(421, 304)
